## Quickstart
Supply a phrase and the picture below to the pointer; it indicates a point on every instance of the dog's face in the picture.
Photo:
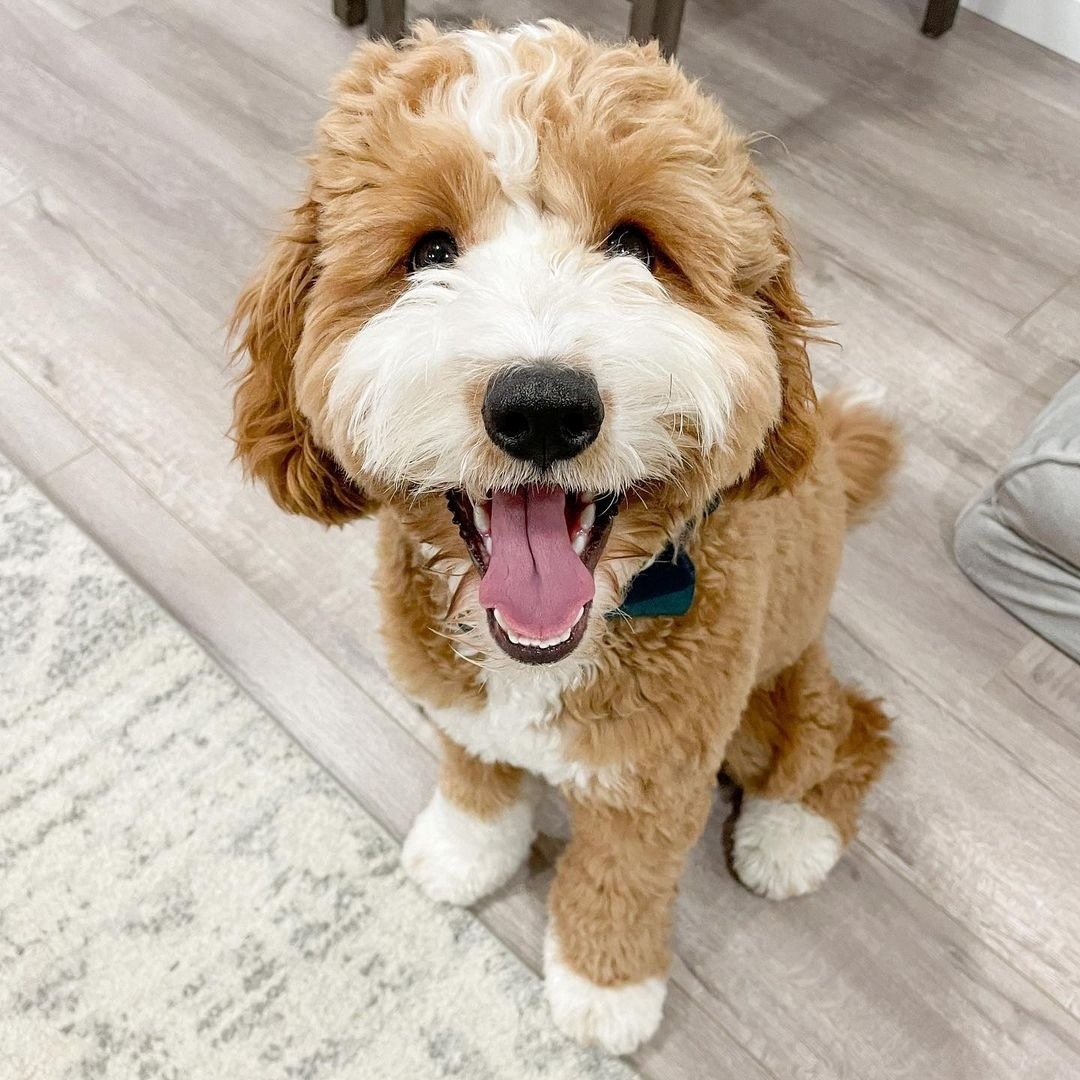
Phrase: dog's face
(536, 301)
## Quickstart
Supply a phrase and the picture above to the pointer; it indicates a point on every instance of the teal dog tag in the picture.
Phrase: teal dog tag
(666, 587)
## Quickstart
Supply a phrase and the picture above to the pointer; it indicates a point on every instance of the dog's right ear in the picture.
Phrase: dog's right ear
(273, 438)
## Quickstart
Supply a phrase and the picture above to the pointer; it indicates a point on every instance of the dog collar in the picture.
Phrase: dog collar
(664, 587)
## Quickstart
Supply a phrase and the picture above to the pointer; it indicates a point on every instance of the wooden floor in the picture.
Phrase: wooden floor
(145, 151)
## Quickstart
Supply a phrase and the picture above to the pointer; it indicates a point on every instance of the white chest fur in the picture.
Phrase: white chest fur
(518, 725)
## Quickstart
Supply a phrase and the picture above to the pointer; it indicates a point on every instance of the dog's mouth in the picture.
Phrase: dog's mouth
(536, 549)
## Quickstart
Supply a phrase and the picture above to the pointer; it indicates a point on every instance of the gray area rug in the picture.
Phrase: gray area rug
(183, 892)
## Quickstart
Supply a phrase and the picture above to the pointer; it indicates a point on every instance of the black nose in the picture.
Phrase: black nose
(543, 412)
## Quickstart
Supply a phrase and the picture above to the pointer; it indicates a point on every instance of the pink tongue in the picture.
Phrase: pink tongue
(535, 578)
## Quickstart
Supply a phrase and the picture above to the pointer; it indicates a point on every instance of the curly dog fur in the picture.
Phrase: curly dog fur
(368, 367)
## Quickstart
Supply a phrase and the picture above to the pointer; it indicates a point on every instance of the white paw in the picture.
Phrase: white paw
(783, 849)
(617, 1019)
(457, 858)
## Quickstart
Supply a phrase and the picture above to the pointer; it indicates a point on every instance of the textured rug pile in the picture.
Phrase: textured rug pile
(183, 893)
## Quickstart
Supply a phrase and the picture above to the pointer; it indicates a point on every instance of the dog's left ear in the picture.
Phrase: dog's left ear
(789, 447)
(273, 438)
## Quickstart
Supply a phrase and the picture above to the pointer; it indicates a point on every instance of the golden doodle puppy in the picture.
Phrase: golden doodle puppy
(536, 310)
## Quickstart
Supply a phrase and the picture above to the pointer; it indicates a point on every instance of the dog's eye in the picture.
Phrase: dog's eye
(629, 240)
(435, 249)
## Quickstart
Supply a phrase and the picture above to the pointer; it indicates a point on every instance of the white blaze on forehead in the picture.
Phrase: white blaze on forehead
(489, 102)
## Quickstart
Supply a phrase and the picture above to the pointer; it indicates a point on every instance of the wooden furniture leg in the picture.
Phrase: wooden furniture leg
(351, 12)
(387, 19)
(939, 17)
(660, 19)
(387, 16)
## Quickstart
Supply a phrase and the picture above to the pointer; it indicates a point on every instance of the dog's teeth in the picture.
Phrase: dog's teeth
(559, 640)
(506, 629)
(552, 642)
(487, 542)
(585, 524)
(481, 519)
(534, 643)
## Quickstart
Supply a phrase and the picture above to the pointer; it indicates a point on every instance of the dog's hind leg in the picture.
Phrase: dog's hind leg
(476, 831)
(805, 754)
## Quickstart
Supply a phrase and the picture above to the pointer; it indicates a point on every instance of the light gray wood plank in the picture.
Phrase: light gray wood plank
(1015, 710)
(207, 75)
(978, 812)
(34, 434)
(865, 978)
(186, 198)
(75, 14)
(301, 41)
(156, 397)
(963, 401)
(1047, 680)
(881, 123)
(13, 182)
(1055, 325)
(982, 50)
(333, 717)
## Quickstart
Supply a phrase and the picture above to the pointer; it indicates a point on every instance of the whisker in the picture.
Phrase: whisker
(487, 665)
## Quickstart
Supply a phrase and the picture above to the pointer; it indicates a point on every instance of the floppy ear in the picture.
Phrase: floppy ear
(273, 438)
(789, 447)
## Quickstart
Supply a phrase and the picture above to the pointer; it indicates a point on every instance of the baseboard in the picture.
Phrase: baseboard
(1053, 23)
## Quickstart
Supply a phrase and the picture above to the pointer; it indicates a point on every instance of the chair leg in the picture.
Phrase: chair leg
(939, 17)
(388, 19)
(660, 19)
(351, 12)
(669, 15)
(642, 20)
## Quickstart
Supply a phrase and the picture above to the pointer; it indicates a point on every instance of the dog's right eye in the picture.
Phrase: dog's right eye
(435, 249)
(629, 240)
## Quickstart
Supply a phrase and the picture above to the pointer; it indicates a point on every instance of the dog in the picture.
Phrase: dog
(537, 311)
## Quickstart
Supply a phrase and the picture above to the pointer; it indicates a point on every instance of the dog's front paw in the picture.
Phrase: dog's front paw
(617, 1019)
(457, 858)
(783, 849)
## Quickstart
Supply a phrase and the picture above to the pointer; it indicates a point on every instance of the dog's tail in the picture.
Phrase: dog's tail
(867, 446)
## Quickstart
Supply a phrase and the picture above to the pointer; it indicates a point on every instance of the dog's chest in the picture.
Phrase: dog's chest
(519, 726)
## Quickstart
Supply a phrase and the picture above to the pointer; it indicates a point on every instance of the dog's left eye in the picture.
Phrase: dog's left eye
(435, 249)
(629, 240)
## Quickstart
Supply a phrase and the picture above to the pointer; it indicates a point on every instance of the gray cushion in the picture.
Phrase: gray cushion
(1019, 541)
